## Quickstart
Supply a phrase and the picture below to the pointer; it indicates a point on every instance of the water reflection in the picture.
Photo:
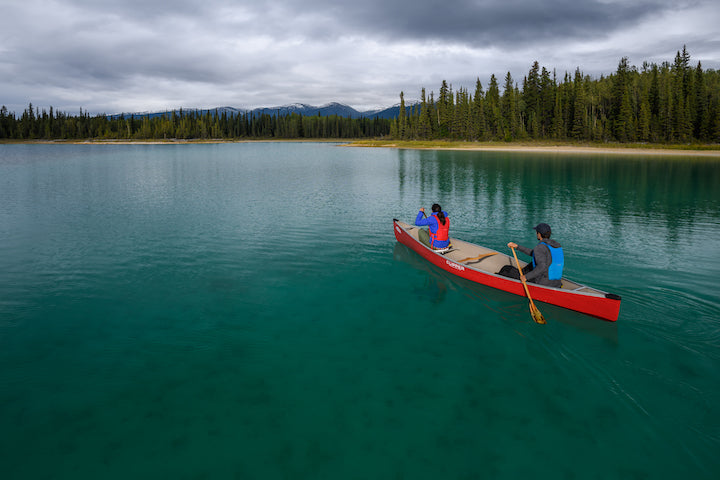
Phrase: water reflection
(665, 188)
(604, 190)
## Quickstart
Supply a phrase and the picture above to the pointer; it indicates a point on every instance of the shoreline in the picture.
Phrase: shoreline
(592, 150)
(410, 145)
(560, 149)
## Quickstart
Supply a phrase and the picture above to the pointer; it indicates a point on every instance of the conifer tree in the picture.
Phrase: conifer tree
(700, 123)
(424, 127)
(402, 120)
(445, 110)
(492, 110)
(532, 99)
(681, 118)
(478, 112)
(507, 108)
(579, 129)
(548, 88)
(461, 115)
(558, 125)
(433, 115)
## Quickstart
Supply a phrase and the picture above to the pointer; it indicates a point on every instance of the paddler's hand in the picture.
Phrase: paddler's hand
(512, 245)
(422, 210)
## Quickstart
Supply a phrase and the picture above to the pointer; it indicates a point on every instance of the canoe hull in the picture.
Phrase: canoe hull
(600, 305)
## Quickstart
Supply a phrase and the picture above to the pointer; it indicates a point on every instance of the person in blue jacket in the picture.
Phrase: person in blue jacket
(548, 259)
(438, 236)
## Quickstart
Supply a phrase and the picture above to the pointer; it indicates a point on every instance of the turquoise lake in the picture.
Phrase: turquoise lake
(243, 311)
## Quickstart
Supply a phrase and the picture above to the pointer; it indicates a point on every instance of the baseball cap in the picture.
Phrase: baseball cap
(542, 229)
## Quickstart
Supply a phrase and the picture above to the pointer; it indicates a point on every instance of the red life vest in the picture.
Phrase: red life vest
(442, 234)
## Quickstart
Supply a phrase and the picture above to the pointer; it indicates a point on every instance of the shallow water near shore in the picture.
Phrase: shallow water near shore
(244, 311)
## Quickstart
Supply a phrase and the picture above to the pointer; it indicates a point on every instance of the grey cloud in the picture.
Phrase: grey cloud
(248, 53)
(474, 22)
(480, 22)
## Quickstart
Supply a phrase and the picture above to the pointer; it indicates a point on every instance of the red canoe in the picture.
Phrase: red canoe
(480, 264)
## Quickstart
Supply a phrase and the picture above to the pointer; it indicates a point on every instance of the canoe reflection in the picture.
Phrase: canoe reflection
(506, 306)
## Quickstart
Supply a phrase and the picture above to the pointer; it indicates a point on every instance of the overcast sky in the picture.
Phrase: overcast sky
(111, 56)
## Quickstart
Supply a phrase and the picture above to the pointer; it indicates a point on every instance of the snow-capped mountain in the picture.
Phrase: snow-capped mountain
(333, 108)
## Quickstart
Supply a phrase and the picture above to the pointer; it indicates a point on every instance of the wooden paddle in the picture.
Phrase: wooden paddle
(534, 312)
(479, 257)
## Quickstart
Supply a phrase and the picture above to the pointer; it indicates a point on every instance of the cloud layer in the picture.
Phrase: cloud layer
(109, 56)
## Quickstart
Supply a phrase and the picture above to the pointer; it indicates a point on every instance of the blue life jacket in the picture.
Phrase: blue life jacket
(558, 261)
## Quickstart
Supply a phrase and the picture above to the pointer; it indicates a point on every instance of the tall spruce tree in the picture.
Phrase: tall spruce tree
(533, 101)
(478, 112)
(547, 103)
(492, 110)
(578, 130)
(445, 110)
(424, 127)
(402, 120)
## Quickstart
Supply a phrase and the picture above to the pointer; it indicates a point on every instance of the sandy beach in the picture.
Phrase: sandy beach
(594, 150)
(570, 149)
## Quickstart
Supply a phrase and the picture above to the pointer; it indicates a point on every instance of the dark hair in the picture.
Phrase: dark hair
(436, 208)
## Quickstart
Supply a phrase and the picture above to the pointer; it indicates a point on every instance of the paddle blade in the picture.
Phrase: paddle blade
(536, 315)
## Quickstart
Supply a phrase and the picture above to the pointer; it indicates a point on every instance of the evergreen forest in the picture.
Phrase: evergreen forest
(187, 125)
(671, 103)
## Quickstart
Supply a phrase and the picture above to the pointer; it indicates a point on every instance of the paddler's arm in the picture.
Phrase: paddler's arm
(420, 220)
(520, 248)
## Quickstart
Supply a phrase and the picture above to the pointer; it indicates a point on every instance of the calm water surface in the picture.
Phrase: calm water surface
(244, 311)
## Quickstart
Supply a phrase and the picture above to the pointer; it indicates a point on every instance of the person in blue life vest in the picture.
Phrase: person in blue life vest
(438, 236)
(547, 260)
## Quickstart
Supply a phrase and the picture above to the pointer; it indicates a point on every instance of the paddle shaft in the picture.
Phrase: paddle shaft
(522, 276)
(534, 312)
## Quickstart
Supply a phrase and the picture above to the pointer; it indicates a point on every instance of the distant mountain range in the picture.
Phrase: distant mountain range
(299, 108)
